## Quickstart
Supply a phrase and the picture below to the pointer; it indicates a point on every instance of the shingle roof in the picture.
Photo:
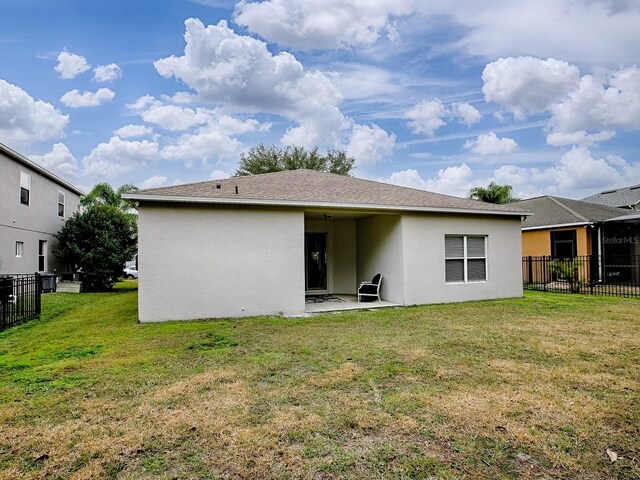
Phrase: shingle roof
(622, 197)
(550, 211)
(313, 188)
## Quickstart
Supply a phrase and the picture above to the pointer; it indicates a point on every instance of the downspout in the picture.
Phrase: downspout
(600, 227)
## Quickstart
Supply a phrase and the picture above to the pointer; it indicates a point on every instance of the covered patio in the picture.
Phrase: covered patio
(336, 303)
(344, 248)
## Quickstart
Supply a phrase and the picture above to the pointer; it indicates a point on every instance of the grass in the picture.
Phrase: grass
(538, 387)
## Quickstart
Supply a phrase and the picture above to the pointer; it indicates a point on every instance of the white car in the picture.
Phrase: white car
(130, 272)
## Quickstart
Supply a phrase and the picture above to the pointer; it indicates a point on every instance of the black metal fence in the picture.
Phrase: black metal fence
(20, 297)
(613, 275)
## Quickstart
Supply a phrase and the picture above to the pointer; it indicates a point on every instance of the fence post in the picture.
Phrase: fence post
(530, 266)
(545, 272)
(593, 264)
(5, 303)
(38, 294)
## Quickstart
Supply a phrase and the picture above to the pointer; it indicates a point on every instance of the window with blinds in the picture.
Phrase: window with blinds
(465, 258)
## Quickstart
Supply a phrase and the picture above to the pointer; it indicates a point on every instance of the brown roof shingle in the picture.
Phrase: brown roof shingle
(549, 211)
(312, 187)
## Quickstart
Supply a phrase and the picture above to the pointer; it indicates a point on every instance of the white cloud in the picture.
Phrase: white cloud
(490, 144)
(601, 103)
(59, 160)
(24, 120)
(119, 156)
(107, 73)
(239, 71)
(77, 99)
(153, 182)
(453, 180)
(603, 32)
(143, 103)
(369, 144)
(129, 131)
(427, 116)
(214, 139)
(361, 82)
(180, 98)
(321, 24)
(71, 65)
(583, 110)
(528, 85)
(575, 175)
(580, 137)
(467, 113)
(175, 118)
(578, 169)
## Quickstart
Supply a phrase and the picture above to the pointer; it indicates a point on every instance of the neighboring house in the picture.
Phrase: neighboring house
(627, 197)
(257, 245)
(561, 227)
(34, 204)
(565, 228)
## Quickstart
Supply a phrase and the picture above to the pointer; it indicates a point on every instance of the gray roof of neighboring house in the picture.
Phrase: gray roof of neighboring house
(41, 170)
(556, 211)
(621, 197)
(310, 188)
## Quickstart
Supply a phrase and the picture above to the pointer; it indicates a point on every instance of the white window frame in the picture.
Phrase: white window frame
(25, 182)
(63, 203)
(19, 249)
(465, 258)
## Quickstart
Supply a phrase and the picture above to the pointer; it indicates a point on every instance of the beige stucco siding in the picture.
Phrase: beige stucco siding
(538, 242)
(213, 261)
(424, 264)
(380, 250)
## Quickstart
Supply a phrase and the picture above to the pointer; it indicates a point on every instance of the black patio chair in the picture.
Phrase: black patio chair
(370, 291)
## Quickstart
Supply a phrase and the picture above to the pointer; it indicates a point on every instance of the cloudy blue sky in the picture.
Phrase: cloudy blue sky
(442, 95)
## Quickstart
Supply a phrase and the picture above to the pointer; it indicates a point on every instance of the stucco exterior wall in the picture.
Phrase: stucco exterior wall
(424, 258)
(379, 248)
(30, 224)
(214, 261)
(537, 243)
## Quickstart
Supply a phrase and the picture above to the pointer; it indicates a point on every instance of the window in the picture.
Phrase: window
(42, 255)
(465, 258)
(60, 203)
(563, 244)
(19, 249)
(25, 188)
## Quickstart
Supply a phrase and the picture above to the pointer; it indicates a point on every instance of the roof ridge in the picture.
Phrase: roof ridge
(18, 157)
(571, 211)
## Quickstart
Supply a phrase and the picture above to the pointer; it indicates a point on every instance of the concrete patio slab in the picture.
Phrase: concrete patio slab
(346, 302)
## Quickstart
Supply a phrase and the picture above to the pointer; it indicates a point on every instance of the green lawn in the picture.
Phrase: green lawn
(538, 387)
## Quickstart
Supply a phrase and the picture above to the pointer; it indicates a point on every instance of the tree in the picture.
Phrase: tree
(265, 159)
(104, 194)
(100, 238)
(494, 193)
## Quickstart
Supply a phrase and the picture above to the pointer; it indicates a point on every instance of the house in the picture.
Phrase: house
(257, 245)
(627, 197)
(565, 228)
(561, 227)
(34, 204)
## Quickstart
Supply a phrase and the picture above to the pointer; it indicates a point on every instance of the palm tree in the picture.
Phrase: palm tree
(104, 194)
(494, 193)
